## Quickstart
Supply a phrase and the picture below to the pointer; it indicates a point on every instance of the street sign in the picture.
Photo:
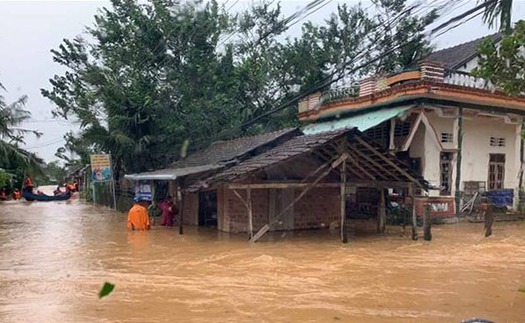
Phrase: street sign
(101, 168)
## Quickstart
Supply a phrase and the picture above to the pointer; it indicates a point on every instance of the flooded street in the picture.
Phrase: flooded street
(55, 257)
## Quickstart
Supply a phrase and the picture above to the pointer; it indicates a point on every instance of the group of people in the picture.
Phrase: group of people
(69, 188)
(143, 213)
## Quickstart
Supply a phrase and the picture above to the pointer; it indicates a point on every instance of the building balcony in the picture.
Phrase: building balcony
(428, 83)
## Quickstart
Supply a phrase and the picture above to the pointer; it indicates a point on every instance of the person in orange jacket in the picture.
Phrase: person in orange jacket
(138, 218)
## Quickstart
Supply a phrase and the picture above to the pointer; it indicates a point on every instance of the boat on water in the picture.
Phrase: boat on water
(45, 198)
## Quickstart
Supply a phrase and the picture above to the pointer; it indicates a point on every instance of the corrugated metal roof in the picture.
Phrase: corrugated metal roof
(363, 121)
(168, 174)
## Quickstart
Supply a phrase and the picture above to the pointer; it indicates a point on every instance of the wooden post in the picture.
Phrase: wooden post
(382, 212)
(266, 227)
(344, 233)
(181, 204)
(489, 218)
(458, 161)
(427, 222)
(250, 212)
(414, 216)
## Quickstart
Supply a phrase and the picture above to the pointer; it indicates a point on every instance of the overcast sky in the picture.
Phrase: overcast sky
(29, 29)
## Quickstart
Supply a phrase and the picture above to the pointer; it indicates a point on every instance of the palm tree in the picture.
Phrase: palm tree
(501, 9)
(11, 134)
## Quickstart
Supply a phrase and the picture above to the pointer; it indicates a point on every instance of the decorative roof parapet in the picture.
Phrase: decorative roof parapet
(432, 71)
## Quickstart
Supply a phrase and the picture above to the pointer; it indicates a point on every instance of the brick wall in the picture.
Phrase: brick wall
(319, 206)
(235, 215)
(191, 209)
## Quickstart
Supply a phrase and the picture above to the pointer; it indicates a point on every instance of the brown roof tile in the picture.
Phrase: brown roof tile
(224, 151)
(455, 57)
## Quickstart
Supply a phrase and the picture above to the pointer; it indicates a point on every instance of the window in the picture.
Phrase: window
(496, 171)
(497, 142)
(446, 173)
(402, 129)
(378, 133)
(446, 137)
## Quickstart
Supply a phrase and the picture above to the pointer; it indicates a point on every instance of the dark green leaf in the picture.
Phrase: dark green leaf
(106, 289)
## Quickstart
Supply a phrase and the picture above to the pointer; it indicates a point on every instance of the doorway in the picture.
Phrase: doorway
(208, 209)
(279, 199)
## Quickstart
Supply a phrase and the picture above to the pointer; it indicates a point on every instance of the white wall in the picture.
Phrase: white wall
(475, 149)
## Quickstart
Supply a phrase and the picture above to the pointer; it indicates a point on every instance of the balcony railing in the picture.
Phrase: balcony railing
(467, 80)
(427, 71)
(340, 94)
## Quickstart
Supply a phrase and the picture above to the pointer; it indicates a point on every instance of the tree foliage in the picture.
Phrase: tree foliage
(499, 10)
(12, 115)
(154, 75)
(504, 64)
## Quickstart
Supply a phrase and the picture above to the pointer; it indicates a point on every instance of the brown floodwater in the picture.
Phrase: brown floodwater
(55, 256)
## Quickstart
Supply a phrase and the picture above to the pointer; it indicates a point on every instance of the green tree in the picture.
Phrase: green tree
(501, 9)
(12, 135)
(156, 74)
(5, 179)
(503, 64)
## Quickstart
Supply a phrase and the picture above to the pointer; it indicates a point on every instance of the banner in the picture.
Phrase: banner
(143, 190)
(101, 168)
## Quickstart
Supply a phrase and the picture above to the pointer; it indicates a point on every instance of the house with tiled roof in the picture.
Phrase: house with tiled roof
(459, 132)
(284, 180)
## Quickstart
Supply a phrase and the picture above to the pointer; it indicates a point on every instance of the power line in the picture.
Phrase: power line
(325, 81)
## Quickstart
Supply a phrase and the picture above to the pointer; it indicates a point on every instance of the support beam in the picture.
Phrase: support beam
(381, 212)
(250, 212)
(414, 215)
(266, 227)
(427, 222)
(458, 161)
(239, 196)
(259, 186)
(387, 160)
(181, 201)
(391, 137)
(344, 233)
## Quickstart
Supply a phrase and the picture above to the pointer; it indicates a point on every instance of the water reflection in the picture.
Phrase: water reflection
(56, 256)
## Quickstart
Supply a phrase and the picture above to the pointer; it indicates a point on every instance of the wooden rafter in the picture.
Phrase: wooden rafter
(361, 168)
(387, 160)
(376, 164)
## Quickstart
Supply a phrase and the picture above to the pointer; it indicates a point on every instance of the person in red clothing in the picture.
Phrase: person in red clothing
(28, 184)
(169, 210)
(17, 195)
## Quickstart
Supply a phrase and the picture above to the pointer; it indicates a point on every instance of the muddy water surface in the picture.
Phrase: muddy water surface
(55, 256)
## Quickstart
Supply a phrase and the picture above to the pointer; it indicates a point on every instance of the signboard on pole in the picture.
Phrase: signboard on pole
(143, 190)
(101, 168)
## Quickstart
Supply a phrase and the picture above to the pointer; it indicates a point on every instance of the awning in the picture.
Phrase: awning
(170, 174)
(363, 121)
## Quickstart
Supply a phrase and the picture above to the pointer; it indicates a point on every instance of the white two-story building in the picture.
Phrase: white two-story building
(459, 132)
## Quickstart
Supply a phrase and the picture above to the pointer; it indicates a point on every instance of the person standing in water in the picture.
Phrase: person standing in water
(169, 210)
(138, 219)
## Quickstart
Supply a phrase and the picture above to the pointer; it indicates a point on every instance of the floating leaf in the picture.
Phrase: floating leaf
(106, 290)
